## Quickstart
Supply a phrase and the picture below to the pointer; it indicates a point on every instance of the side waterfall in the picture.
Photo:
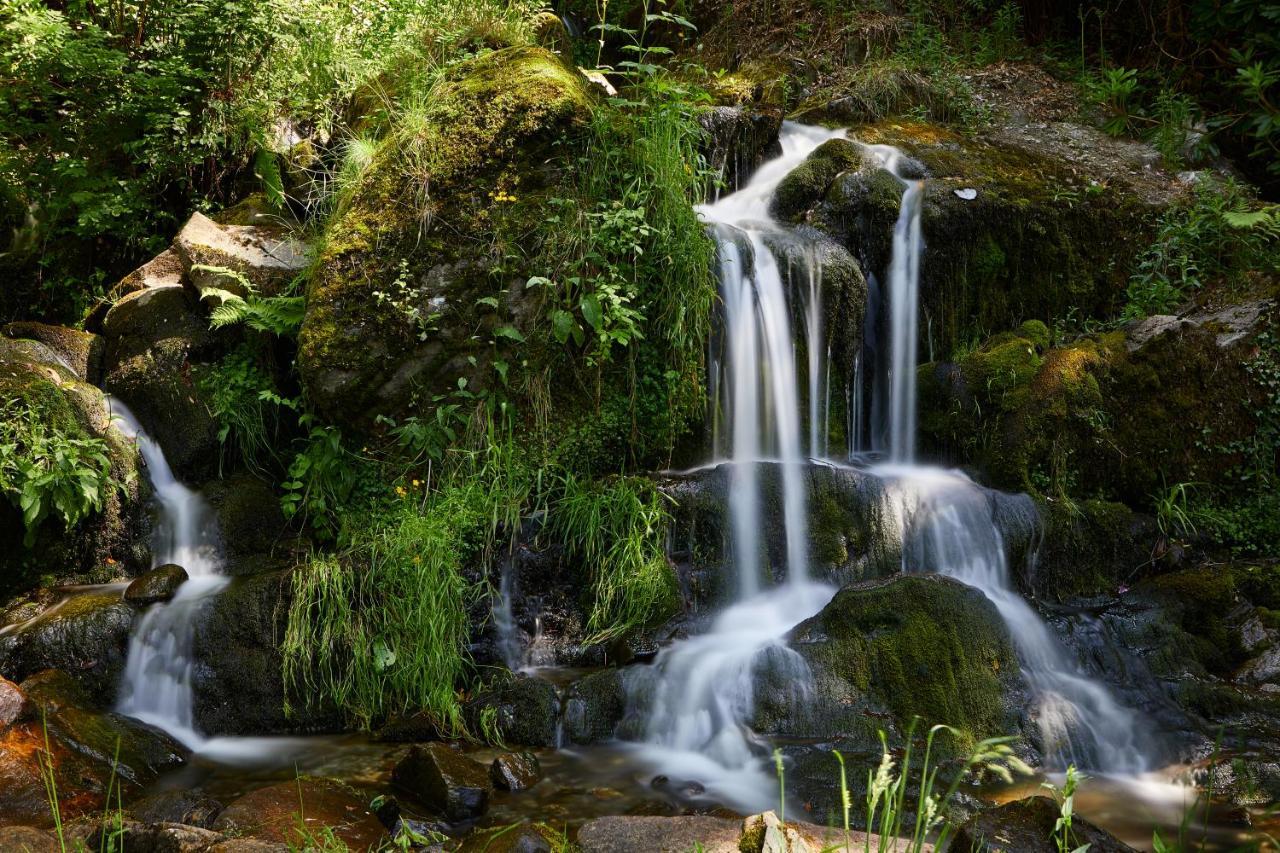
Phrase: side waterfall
(947, 526)
(698, 726)
(157, 677)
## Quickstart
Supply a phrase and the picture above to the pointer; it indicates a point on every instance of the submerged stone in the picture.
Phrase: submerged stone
(1027, 826)
(444, 780)
(515, 771)
(277, 812)
(186, 807)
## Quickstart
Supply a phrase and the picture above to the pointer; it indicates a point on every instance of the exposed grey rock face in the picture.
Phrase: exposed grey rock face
(269, 257)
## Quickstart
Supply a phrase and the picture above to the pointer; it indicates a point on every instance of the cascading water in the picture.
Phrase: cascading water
(947, 526)
(157, 679)
(703, 687)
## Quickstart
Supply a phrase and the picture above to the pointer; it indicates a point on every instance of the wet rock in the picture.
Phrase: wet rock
(515, 771)
(159, 584)
(275, 812)
(1263, 669)
(239, 684)
(249, 515)
(659, 834)
(248, 845)
(903, 647)
(1027, 826)
(268, 256)
(89, 752)
(153, 313)
(187, 807)
(28, 839)
(593, 707)
(808, 182)
(739, 140)
(525, 711)
(80, 352)
(13, 703)
(137, 837)
(86, 635)
(444, 780)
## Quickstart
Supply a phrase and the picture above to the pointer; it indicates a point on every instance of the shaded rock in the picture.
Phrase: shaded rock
(528, 838)
(137, 837)
(593, 707)
(104, 544)
(187, 807)
(80, 352)
(86, 635)
(249, 845)
(808, 182)
(515, 771)
(13, 703)
(152, 312)
(274, 813)
(249, 515)
(159, 584)
(1263, 669)
(89, 751)
(526, 711)
(269, 257)
(659, 834)
(359, 355)
(1091, 547)
(28, 839)
(739, 140)
(238, 684)
(1026, 826)
(445, 780)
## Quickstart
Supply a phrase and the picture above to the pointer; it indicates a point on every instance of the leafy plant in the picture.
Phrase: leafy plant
(1173, 515)
(1066, 797)
(1115, 90)
(243, 400)
(49, 467)
(279, 315)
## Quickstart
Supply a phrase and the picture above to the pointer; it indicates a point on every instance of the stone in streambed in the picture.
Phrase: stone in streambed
(13, 703)
(138, 837)
(594, 706)
(273, 813)
(159, 584)
(525, 711)
(659, 834)
(515, 771)
(28, 839)
(185, 807)
(444, 780)
(530, 838)
(1027, 826)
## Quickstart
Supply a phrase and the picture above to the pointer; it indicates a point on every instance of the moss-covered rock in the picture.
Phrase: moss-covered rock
(449, 191)
(907, 646)
(108, 543)
(1090, 547)
(524, 710)
(593, 707)
(808, 183)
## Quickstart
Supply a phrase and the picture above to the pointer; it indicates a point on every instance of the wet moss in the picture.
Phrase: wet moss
(808, 182)
(1200, 599)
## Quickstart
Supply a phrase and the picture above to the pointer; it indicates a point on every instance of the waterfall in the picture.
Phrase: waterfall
(947, 526)
(157, 677)
(701, 703)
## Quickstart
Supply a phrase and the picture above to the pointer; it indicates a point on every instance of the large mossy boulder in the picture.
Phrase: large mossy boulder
(885, 651)
(86, 635)
(525, 711)
(409, 297)
(60, 407)
(239, 682)
(1036, 237)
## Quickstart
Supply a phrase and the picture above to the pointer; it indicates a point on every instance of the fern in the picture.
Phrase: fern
(279, 315)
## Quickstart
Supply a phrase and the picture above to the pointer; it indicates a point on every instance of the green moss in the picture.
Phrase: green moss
(1200, 600)
(808, 182)
(923, 646)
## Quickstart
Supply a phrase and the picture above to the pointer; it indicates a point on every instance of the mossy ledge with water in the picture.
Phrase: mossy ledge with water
(554, 508)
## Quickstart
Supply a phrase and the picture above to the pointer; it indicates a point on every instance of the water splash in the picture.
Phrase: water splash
(157, 685)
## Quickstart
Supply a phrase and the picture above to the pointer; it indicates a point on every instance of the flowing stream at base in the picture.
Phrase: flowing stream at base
(701, 693)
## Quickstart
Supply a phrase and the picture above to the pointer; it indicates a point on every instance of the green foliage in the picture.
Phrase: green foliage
(324, 479)
(1066, 797)
(618, 529)
(49, 467)
(278, 315)
(1215, 236)
(1114, 90)
(1173, 515)
(243, 399)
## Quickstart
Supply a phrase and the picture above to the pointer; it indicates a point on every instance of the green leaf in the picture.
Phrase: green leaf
(491, 301)
(510, 333)
(383, 657)
(591, 312)
(562, 325)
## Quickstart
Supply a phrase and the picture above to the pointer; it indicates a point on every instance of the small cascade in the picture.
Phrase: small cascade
(157, 678)
(701, 702)
(948, 525)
